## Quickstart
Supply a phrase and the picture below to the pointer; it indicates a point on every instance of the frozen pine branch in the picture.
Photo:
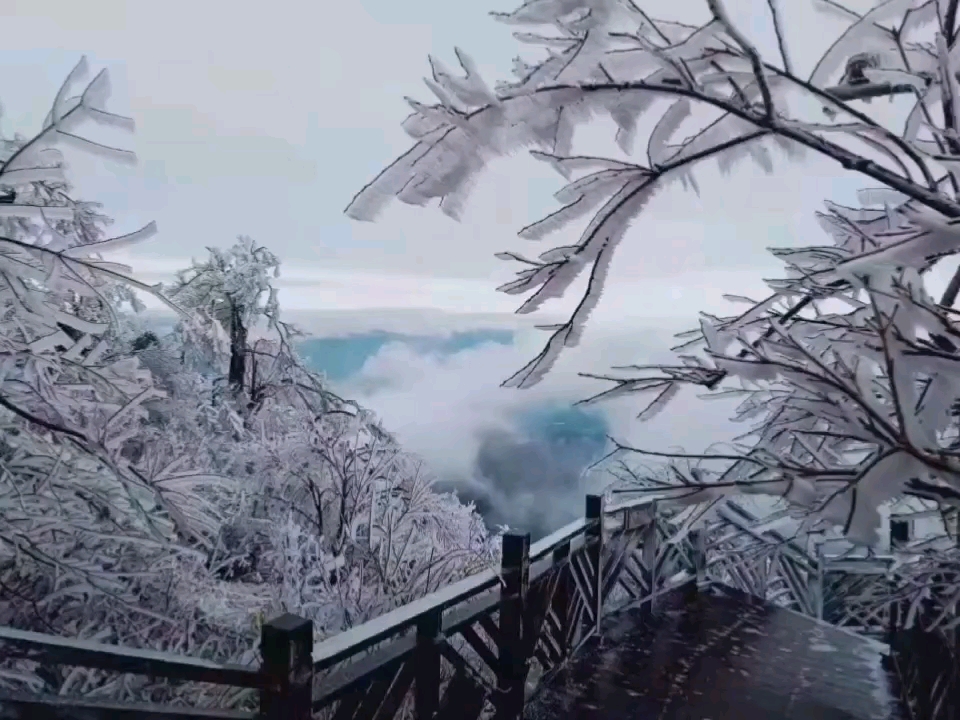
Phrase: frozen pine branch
(846, 369)
(169, 490)
(607, 57)
(851, 401)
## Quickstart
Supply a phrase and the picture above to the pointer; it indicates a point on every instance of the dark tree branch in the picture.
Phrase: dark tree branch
(46, 424)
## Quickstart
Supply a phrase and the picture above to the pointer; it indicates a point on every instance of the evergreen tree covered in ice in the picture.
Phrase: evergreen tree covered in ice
(140, 503)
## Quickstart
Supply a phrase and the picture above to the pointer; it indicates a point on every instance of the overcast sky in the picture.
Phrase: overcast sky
(264, 119)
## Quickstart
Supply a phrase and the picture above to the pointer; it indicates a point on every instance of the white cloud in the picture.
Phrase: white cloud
(444, 407)
(306, 287)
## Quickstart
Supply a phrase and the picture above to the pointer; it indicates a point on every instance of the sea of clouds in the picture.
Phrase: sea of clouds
(521, 455)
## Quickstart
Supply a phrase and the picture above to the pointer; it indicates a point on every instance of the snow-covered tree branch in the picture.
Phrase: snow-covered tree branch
(142, 505)
(847, 368)
(613, 58)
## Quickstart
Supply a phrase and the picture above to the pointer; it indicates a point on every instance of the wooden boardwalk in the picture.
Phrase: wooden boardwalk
(720, 656)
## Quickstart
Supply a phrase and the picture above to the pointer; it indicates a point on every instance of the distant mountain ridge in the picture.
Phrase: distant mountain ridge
(341, 357)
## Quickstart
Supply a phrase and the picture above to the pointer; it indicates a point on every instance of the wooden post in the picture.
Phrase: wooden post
(427, 682)
(951, 523)
(593, 537)
(561, 596)
(893, 619)
(816, 583)
(649, 552)
(286, 645)
(698, 540)
(512, 675)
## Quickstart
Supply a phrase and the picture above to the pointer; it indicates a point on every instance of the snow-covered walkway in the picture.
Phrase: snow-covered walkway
(721, 656)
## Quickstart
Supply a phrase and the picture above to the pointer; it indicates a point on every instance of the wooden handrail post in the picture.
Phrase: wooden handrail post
(650, 553)
(286, 645)
(561, 596)
(698, 539)
(594, 549)
(816, 583)
(512, 675)
(427, 683)
(893, 611)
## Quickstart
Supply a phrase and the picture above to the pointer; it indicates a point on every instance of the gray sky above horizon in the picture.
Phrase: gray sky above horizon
(266, 123)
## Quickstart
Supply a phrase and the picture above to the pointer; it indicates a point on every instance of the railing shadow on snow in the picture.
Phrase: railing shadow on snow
(480, 647)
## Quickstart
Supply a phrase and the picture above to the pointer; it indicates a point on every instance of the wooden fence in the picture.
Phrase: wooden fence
(484, 641)
(479, 648)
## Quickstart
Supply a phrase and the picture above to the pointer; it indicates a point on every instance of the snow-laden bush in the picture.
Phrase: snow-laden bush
(172, 491)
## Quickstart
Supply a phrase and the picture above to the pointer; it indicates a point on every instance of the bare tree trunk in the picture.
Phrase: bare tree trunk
(238, 350)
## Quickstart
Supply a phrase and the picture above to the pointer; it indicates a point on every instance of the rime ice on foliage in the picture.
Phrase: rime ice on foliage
(847, 374)
(848, 370)
(142, 505)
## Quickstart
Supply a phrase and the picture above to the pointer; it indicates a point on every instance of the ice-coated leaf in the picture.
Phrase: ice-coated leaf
(880, 196)
(895, 77)
(883, 480)
(862, 35)
(36, 212)
(566, 166)
(658, 151)
(655, 407)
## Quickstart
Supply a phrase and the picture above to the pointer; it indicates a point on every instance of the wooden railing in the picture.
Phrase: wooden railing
(270, 679)
(480, 647)
(477, 646)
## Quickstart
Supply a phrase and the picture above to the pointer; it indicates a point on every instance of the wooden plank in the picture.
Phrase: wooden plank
(628, 543)
(536, 610)
(549, 647)
(543, 658)
(376, 691)
(286, 643)
(355, 640)
(471, 611)
(461, 664)
(595, 553)
(698, 555)
(791, 575)
(490, 628)
(859, 566)
(636, 577)
(740, 518)
(547, 545)
(54, 650)
(398, 691)
(582, 585)
(344, 679)
(481, 648)
(348, 704)
(427, 658)
(575, 630)
(515, 565)
(643, 502)
(23, 706)
(560, 605)
(464, 699)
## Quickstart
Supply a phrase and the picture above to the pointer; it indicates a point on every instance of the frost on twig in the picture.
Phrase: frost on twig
(140, 504)
(615, 59)
(846, 368)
